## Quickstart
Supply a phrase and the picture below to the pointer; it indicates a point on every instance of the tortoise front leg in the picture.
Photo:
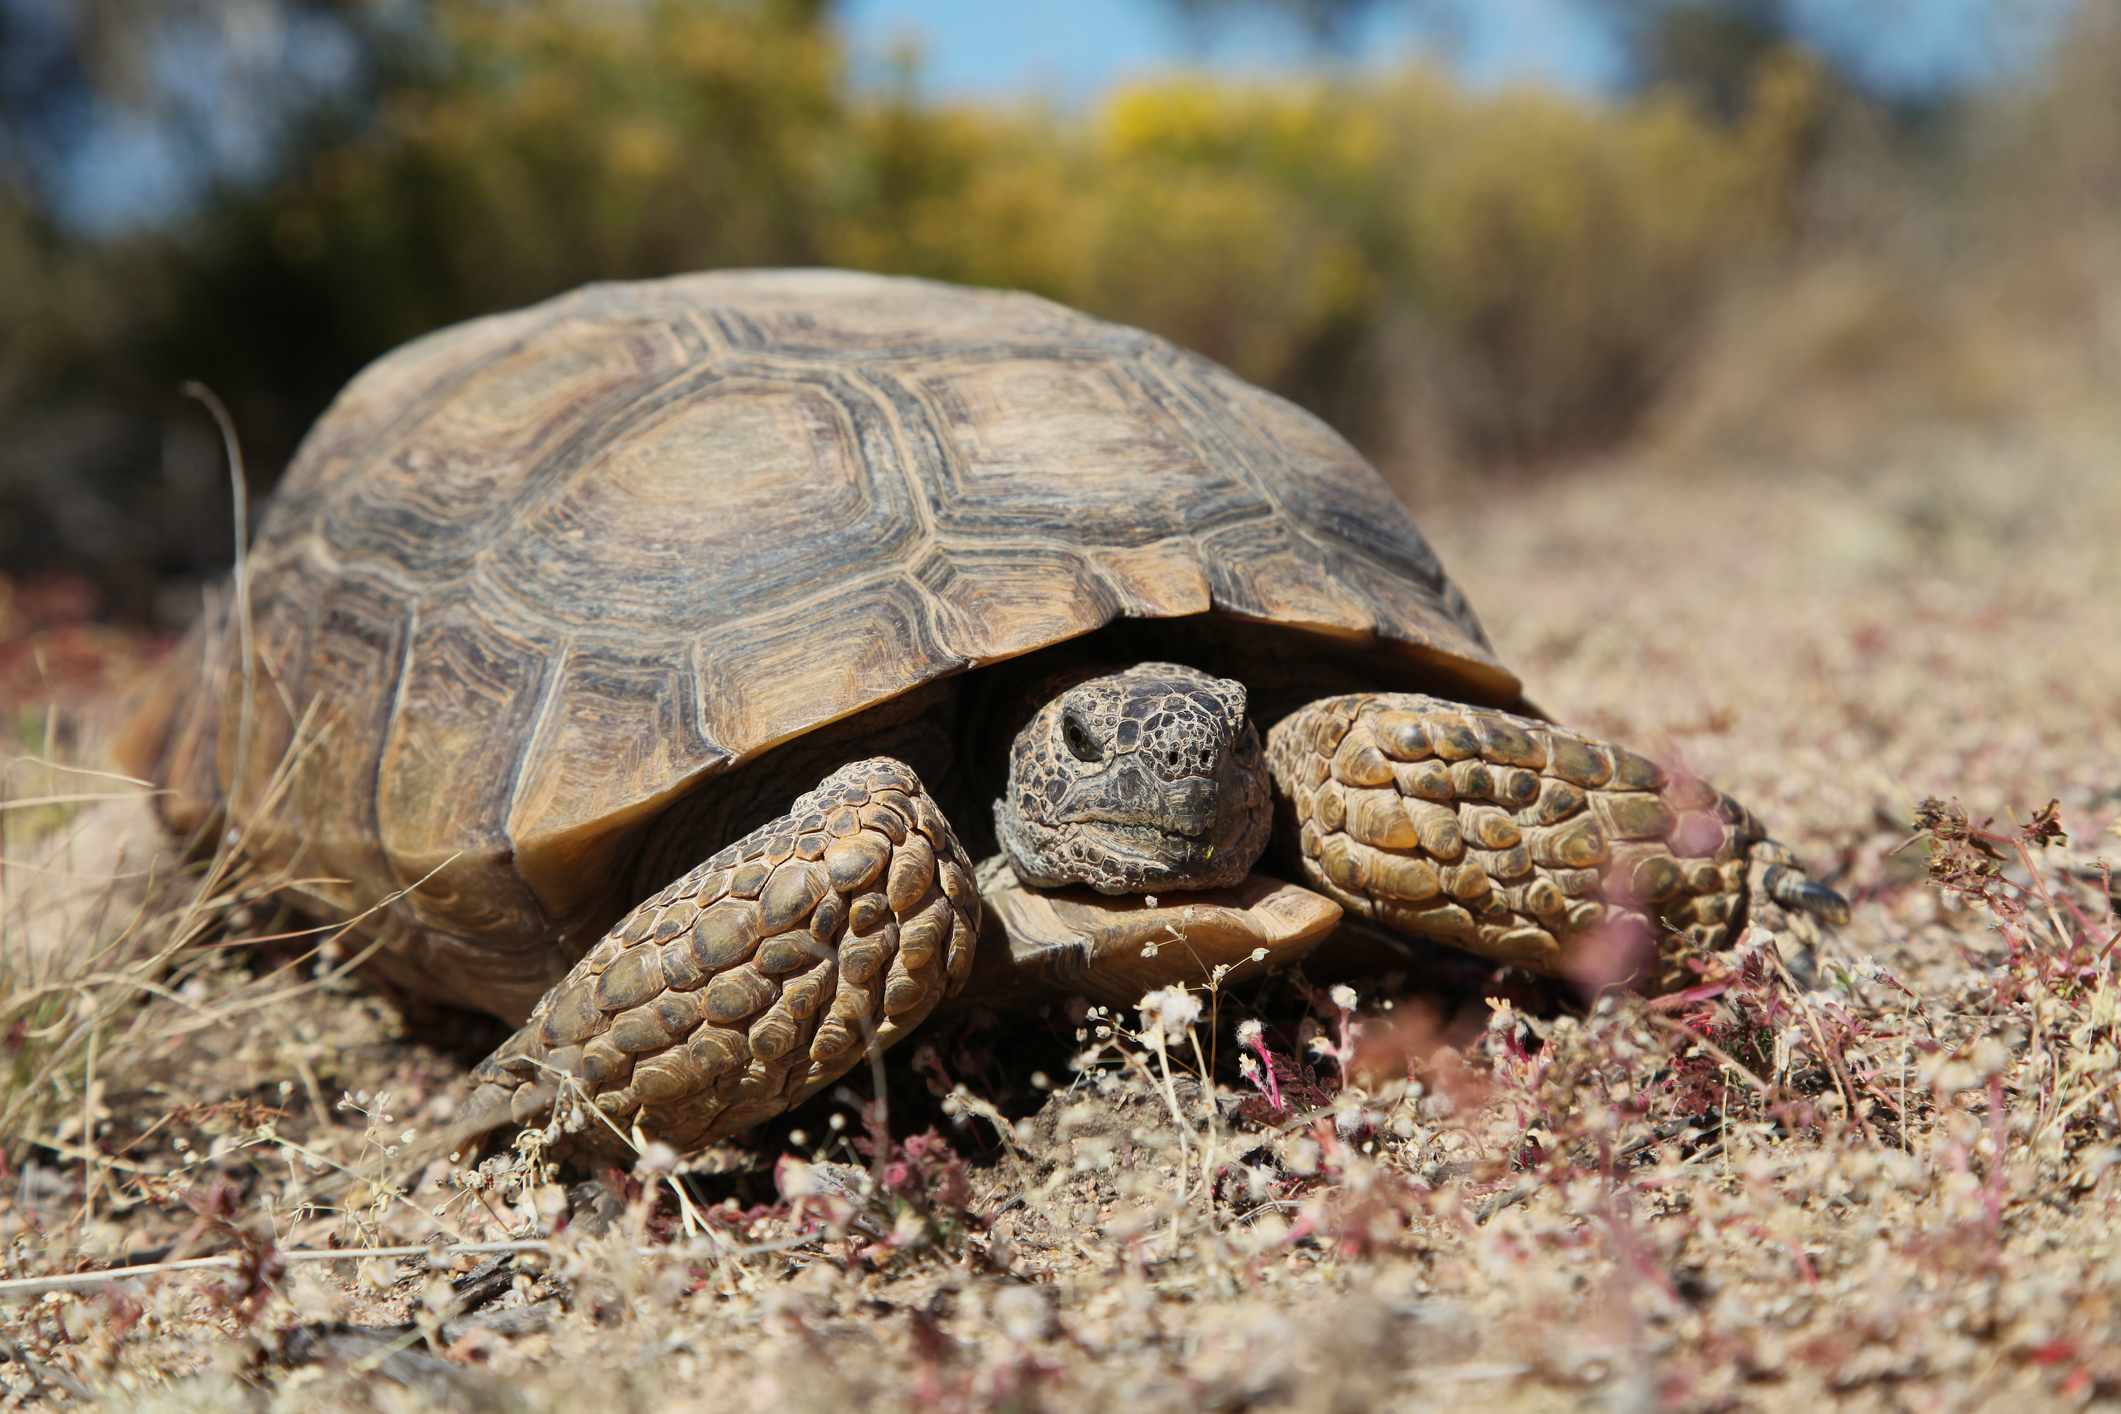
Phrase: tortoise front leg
(754, 981)
(1518, 840)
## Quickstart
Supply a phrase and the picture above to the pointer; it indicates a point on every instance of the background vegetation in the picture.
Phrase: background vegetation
(1466, 282)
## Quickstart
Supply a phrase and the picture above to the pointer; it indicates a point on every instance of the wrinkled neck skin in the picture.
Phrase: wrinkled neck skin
(1137, 781)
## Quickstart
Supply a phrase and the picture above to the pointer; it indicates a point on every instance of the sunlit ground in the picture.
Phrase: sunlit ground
(1671, 1206)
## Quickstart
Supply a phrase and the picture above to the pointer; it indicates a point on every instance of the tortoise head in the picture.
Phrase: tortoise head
(1141, 780)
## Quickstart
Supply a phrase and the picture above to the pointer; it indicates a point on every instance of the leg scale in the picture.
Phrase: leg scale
(755, 980)
(1516, 839)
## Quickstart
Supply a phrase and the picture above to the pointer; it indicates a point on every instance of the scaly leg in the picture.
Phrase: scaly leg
(754, 981)
(1521, 841)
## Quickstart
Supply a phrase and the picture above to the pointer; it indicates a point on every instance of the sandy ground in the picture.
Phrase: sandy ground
(1879, 1179)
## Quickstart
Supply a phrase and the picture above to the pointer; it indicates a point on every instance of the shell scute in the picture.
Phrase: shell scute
(546, 572)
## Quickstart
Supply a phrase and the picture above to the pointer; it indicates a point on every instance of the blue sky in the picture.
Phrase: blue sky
(1071, 50)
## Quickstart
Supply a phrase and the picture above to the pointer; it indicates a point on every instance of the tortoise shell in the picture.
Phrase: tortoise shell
(532, 578)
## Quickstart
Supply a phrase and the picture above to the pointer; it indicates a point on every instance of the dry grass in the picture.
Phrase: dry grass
(1888, 1184)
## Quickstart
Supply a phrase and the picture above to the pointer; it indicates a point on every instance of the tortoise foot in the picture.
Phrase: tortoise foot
(752, 982)
(1521, 841)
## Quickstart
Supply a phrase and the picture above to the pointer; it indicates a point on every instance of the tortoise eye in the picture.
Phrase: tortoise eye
(1079, 740)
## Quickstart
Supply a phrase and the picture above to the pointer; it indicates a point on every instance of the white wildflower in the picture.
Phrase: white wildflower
(657, 1159)
(1174, 1009)
(1343, 996)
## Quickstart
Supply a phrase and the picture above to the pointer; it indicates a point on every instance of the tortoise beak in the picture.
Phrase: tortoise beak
(1192, 806)
(1131, 795)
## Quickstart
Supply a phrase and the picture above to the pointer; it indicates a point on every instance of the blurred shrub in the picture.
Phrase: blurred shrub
(1518, 272)
(532, 146)
(1962, 274)
(80, 482)
(1455, 278)
(2046, 176)
(517, 151)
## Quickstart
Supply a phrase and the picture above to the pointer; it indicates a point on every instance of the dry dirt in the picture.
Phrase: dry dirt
(1876, 1172)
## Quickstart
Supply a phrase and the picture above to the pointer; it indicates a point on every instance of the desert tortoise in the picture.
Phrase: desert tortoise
(641, 666)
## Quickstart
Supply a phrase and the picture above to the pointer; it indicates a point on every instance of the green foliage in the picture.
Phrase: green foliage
(537, 146)
(516, 151)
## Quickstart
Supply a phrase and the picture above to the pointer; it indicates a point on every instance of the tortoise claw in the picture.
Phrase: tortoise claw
(1793, 889)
